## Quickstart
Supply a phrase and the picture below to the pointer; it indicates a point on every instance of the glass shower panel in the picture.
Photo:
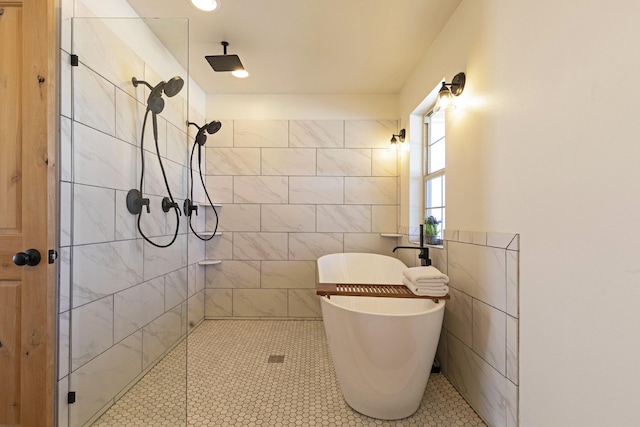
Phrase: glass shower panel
(129, 265)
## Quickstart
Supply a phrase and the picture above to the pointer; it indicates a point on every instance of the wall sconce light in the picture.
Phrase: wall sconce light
(394, 141)
(446, 94)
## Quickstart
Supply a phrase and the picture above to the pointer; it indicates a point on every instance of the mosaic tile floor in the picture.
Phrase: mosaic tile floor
(233, 382)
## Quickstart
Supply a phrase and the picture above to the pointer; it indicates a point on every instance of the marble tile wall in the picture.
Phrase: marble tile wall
(478, 348)
(123, 302)
(292, 191)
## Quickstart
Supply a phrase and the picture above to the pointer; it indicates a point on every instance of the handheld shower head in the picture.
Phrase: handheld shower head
(155, 103)
(210, 128)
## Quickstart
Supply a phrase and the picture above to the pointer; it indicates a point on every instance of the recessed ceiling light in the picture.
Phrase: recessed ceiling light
(206, 5)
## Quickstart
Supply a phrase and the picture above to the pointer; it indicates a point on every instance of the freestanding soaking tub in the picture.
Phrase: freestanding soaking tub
(382, 348)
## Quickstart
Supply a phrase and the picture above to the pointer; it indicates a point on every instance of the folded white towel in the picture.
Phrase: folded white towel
(419, 275)
(435, 290)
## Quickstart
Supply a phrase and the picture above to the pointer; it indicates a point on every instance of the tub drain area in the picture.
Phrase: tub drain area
(276, 358)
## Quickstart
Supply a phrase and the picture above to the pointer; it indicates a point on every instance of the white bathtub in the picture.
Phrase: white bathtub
(382, 348)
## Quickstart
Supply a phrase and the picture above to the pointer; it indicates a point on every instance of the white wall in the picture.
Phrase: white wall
(545, 143)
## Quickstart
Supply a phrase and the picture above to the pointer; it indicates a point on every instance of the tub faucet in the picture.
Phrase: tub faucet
(424, 251)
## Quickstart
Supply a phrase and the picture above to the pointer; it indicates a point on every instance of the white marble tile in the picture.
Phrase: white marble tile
(199, 195)
(101, 48)
(371, 190)
(200, 277)
(195, 249)
(260, 302)
(220, 247)
(481, 385)
(154, 180)
(192, 280)
(348, 219)
(293, 218)
(233, 161)
(195, 307)
(304, 303)
(458, 316)
(129, 116)
(316, 133)
(513, 283)
(474, 237)
(512, 404)
(222, 138)
(91, 331)
(451, 235)
(316, 190)
(94, 102)
(198, 220)
(261, 189)
(261, 133)
(103, 161)
(500, 240)
(160, 261)
(368, 243)
(288, 274)
(66, 150)
(218, 303)
(175, 288)
(289, 161)
(105, 268)
(478, 271)
(384, 219)
(512, 349)
(369, 133)
(233, 275)
(64, 326)
(179, 149)
(490, 335)
(64, 295)
(220, 188)
(385, 163)
(137, 306)
(343, 162)
(93, 214)
(126, 222)
(515, 243)
(311, 246)
(159, 335)
(65, 213)
(241, 217)
(99, 381)
(260, 246)
(439, 258)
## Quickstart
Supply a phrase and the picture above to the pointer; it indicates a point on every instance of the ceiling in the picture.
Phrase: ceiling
(308, 46)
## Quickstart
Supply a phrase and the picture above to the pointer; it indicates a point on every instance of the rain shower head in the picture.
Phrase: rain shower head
(210, 128)
(225, 62)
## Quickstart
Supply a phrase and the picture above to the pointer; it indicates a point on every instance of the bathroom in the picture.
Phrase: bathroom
(516, 200)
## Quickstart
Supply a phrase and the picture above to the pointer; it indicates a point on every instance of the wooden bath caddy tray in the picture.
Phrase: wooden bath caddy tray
(368, 290)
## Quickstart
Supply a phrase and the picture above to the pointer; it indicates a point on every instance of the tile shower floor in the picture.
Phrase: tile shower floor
(234, 380)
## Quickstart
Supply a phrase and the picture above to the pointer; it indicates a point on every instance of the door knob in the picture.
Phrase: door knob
(29, 257)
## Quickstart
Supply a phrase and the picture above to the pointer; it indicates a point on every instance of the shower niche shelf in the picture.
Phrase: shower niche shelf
(210, 262)
(210, 233)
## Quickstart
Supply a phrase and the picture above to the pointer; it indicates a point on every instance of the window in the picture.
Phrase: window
(434, 167)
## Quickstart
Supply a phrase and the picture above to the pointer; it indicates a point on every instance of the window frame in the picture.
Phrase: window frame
(426, 175)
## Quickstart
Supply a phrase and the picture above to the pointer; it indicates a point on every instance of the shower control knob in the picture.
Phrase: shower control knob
(29, 257)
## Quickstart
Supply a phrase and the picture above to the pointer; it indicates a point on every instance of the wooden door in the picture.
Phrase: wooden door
(27, 213)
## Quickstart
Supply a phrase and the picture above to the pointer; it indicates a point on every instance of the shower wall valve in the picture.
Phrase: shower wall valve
(167, 205)
(189, 208)
(135, 202)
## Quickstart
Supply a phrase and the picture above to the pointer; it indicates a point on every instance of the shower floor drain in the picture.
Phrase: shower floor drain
(276, 358)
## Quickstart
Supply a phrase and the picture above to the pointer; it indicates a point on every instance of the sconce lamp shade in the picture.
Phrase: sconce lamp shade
(448, 91)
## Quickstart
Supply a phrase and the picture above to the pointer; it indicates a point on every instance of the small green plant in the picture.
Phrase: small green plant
(431, 225)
